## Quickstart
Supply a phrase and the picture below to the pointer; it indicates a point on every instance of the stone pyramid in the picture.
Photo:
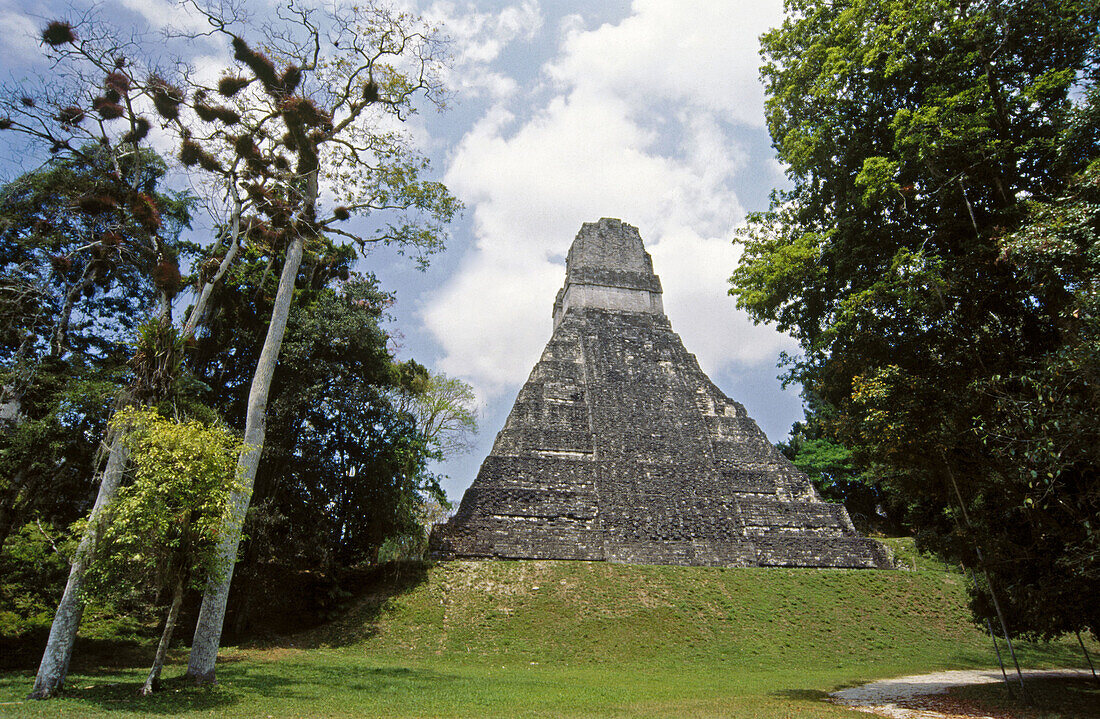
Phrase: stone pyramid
(619, 448)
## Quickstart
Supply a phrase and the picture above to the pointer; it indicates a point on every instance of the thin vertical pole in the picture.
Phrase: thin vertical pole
(1004, 626)
(1087, 657)
(989, 584)
(1000, 662)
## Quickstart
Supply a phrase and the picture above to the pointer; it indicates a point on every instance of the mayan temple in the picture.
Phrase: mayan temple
(619, 448)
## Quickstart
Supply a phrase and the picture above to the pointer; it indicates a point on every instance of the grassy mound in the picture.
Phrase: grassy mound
(581, 639)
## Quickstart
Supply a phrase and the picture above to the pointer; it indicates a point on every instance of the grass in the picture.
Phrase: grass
(907, 557)
(579, 639)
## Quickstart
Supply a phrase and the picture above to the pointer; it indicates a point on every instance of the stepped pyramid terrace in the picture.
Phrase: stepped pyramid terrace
(619, 448)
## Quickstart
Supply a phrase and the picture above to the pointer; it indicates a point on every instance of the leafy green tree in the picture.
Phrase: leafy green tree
(1043, 432)
(872, 506)
(915, 134)
(317, 107)
(164, 528)
(344, 468)
(359, 457)
(79, 266)
(48, 455)
(76, 245)
(445, 409)
(92, 114)
(32, 567)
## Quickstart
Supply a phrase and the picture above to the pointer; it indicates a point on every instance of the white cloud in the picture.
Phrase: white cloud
(570, 24)
(21, 33)
(164, 14)
(697, 52)
(641, 128)
(479, 38)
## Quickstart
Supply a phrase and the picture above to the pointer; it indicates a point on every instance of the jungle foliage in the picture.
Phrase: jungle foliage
(937, 257)
(76, 279)
(94, 271)
(344, 467)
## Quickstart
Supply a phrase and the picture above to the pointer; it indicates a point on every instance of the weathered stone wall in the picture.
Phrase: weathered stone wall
(608, 268)
(619, 448)
(609, 298)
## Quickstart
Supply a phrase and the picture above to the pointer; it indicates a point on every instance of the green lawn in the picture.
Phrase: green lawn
(581, 639)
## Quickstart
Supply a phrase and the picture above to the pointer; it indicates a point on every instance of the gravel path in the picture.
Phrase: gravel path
(882, 697)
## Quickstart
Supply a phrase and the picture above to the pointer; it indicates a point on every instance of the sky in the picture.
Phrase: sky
(562, 112)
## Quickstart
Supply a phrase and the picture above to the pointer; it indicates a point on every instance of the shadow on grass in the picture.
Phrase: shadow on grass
(296, 686)
(174, 696)
(104, 659)
(801, 695)
(372, 591)
(1061, 654)
(24, 652)
(1050, 697)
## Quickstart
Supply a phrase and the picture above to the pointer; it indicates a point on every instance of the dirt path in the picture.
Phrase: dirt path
(884, 698)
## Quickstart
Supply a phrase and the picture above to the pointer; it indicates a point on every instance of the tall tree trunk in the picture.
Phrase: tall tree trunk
(208, 630)
(60, 337)
(198, 312)
(59, 647)
(153, 679)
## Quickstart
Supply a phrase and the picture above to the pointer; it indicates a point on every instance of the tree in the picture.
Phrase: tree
(92, 106)
(165, 526)
(1043, 431)
(48, 452)
(274, 139)
(78, 269)
(326, 107)
(344, 468)
(78, 245)
(352, 457)
(869, 500)
(86, 114)
(445, 409)
(915, 134)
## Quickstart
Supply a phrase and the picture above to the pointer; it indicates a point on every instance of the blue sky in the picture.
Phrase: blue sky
(561, 113)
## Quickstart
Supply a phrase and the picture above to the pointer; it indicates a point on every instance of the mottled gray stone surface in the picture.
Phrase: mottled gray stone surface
(619, 448)
(608, 268)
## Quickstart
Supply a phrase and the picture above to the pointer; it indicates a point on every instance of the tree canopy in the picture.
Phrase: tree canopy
(345, 466)
(918, 136)
(76, 279)
(299, 134)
